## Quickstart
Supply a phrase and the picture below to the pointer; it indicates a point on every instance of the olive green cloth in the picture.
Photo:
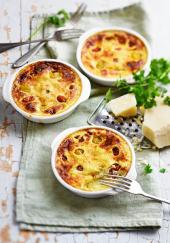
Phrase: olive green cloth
(42, 203)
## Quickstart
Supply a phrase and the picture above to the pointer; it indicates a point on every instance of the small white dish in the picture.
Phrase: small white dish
(102, 80)
(7, 95)
(96, 194)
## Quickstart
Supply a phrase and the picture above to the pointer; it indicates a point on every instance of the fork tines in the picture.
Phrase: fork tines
(79, 12)
(68, 34)
(116, 182)
(122, 183)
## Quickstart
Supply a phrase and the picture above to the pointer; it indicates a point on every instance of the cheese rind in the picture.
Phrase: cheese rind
(156, 125)
(124, 106)
(142, 109)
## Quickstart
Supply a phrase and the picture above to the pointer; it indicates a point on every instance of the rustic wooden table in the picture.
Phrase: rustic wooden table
(14, 26)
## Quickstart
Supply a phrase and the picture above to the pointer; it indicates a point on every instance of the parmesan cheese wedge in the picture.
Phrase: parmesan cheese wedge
(124, 106)
(156, 125)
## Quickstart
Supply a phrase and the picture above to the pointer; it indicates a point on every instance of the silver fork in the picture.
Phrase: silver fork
(75, 17)
(59, 35)
(127, 185)
(71, 23)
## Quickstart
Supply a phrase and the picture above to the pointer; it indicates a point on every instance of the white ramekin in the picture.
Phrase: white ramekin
(103, 80)
(56, 143)
(7, 95)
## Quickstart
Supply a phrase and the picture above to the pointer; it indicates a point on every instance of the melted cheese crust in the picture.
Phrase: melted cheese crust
(46, 88)
(84, 156)
(113, 54)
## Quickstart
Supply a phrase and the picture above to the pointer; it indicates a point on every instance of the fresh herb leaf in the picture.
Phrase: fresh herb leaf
(109, 95)
(58, 20)
(148, 169)
(160, 69)
(148, 86)
(162, 170)
(167, 100)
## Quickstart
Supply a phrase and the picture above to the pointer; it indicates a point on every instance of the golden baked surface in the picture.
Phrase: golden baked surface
(113, 54)
(84, 156)
(46, 88)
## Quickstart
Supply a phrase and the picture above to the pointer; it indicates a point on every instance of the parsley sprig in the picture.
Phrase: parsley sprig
(167, 100)
(109, 95)
(58, 20)
(149, 85)
(148, 169)
(162, 170)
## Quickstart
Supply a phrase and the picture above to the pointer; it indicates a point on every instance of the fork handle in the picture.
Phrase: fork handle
(26, 57)
(155, 198)
(8, 46)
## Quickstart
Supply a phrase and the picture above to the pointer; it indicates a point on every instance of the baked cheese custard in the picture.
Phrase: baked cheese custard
(113, 54)
(85, 155)
(46, 88)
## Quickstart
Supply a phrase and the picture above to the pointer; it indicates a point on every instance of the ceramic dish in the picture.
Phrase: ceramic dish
(65, 149)
(46, 90)
(108, 54)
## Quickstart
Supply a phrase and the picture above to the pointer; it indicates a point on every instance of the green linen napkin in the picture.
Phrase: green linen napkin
(42, 203)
